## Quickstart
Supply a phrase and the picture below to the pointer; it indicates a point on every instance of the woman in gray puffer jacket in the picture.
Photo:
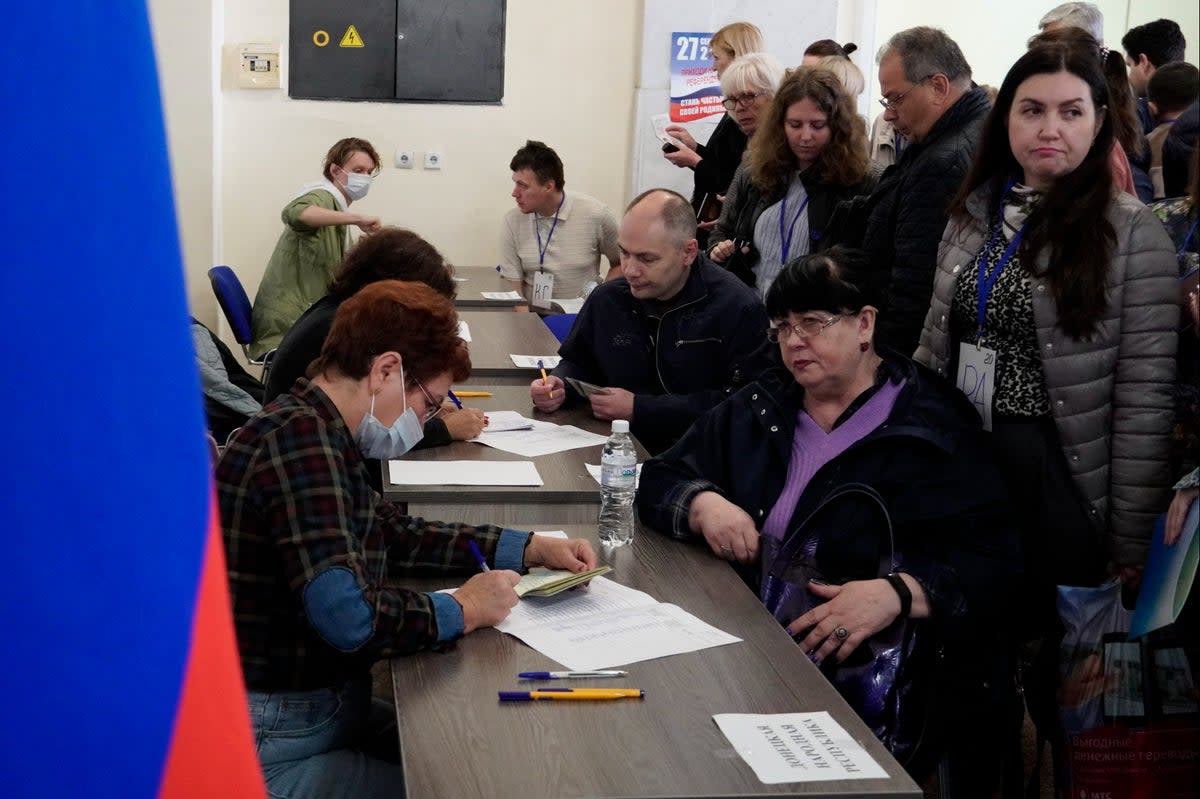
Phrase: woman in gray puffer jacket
(1076, 331)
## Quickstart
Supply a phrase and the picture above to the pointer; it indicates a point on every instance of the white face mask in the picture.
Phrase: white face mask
(384, 443)
(356, 185)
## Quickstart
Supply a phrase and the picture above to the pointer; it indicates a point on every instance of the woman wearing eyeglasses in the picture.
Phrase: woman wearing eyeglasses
(315, 555)
(749, 475)
(313, 242)
(809, 154)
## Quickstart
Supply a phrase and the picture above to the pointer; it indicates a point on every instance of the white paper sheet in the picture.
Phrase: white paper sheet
(464, 331)
(568, 306)
(506, 421)
(608, 624)
(551, 533)
(464, 473)
(594, 471)
(797, 747)
(531, 361)
(544, 438)
(502, 295)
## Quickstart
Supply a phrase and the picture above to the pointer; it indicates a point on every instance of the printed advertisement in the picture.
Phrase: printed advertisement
(695, 90)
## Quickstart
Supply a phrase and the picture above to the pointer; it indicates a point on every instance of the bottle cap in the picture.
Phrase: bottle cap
(620, 426)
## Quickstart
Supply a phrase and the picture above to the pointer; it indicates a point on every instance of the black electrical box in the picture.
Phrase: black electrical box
(397, 51)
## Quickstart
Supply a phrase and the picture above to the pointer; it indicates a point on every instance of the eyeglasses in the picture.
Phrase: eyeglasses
(807, 327)
(894, 103)
(433, 408)
(746, 100)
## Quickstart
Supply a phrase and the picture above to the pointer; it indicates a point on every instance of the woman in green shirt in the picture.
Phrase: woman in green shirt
(313, 241)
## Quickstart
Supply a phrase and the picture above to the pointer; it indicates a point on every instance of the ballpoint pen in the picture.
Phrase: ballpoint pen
(450, 396)
(572, 694)
(542, 367)
(568, 675)
(483, 567)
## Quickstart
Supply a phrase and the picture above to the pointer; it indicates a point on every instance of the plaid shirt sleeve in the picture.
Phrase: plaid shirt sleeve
(326, 517)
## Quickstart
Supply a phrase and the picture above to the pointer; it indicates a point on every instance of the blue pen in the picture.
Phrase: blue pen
(483, 567)
(450, 396)
(498, 269)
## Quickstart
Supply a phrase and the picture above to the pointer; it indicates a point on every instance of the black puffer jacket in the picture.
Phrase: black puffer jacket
(909, 215)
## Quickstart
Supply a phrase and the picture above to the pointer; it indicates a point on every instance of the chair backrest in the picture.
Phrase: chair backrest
(233, 300)
(560, 325)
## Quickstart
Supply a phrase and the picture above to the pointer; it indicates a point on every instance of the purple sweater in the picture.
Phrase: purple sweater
(812, 448)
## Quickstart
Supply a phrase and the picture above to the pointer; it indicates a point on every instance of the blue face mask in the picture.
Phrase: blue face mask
(384, 443)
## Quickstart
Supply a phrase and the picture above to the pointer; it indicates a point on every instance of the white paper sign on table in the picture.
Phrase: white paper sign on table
(502, 295)
(464, 473)
(608, 624)
(797, 747)
(464, 331)
(531, 361)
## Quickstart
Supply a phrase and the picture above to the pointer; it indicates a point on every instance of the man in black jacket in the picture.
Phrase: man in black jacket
(669, 339)
(925, 83)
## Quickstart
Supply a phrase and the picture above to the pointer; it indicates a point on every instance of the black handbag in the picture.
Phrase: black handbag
(889, 677)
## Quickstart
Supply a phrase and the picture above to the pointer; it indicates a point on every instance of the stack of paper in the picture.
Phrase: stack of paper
(608, 625)
(539, 438)
(541, 581)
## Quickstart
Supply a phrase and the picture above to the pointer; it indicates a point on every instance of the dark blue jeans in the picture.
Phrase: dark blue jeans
(327, 743)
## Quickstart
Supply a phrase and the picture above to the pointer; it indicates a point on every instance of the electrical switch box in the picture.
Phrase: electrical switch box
(258, 66)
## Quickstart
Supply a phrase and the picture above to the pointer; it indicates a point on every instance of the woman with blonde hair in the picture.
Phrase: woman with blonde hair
(809, 154)
(715, 162)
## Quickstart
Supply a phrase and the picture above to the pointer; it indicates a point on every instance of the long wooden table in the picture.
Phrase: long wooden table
(495, 336)
(569, 494)
(472, 280)
(457, 740)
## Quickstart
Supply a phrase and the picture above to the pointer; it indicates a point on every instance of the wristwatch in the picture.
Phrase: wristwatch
(902, 589)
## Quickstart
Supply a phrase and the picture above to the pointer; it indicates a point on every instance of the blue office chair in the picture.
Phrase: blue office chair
(560, 325)
(236, 307)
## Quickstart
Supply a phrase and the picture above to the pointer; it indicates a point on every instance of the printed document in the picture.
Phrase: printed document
(502, 295)
(606, 625)
(797, 747)
(506, 421)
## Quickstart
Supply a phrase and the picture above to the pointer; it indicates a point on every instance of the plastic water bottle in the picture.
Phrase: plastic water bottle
(618, 476)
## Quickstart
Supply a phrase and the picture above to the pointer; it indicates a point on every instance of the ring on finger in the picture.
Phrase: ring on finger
(727, 551)
(841, 633)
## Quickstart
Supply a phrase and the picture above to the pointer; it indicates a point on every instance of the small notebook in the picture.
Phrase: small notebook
(541, 581)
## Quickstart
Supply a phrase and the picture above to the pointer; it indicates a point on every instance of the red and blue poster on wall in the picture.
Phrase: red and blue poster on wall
(695, 90)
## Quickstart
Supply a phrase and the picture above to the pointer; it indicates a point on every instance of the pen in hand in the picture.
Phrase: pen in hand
(542, 367)
(450, 396)
(483, 567)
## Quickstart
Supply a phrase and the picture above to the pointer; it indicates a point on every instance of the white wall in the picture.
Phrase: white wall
(183, 34)
(569, 78)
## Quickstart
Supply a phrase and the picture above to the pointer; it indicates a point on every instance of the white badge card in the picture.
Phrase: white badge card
(543, 289)
(977, 378)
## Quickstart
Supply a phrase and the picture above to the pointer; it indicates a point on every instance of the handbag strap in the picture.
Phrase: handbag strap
(804, 539)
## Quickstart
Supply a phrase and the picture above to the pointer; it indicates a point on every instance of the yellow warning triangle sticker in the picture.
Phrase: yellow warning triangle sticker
(351, 38)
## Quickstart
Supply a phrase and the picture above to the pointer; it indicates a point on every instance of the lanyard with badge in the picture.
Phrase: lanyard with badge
(785, 236)
(543, 281)
(976, 375)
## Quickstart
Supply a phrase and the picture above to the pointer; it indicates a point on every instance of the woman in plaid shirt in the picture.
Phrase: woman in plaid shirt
(315, 554)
